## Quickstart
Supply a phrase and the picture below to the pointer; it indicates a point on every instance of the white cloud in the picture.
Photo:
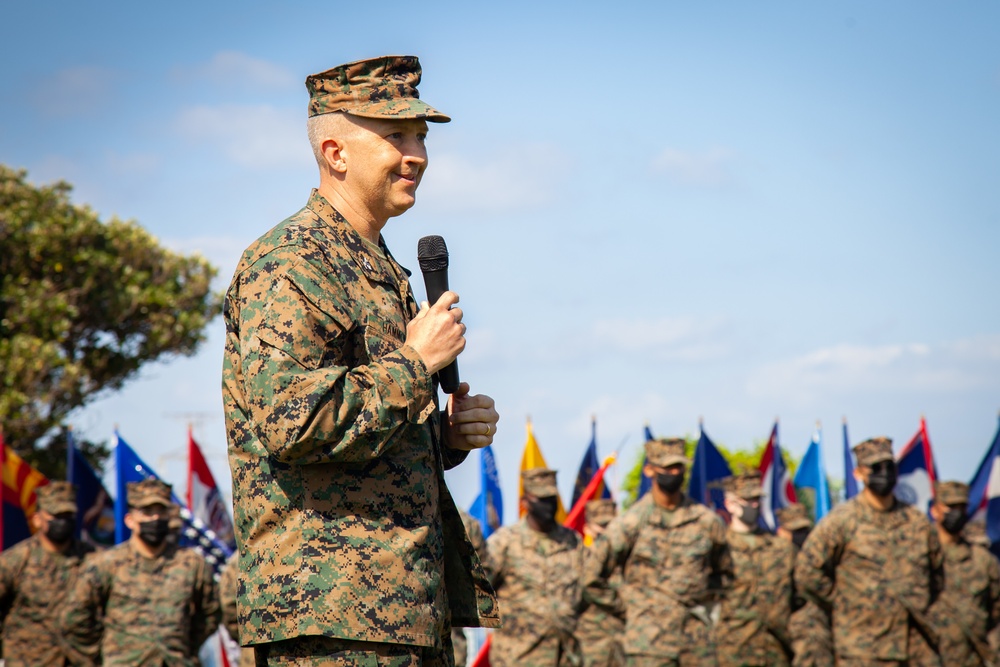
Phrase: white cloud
(518, 177)
(257, 136)
(951, 367)
(73, 91)
(238, 70)
(711, 169)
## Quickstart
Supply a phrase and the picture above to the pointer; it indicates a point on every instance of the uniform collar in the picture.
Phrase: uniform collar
(361, 251)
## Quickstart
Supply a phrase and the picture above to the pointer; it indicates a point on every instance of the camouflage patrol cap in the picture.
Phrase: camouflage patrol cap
(601, 511)
(665, 452)
(57, 497)
(793, 517)
(873, 450)
(952, 493)
(746, 485)
(149, 492)
(540, 482)
(383, 87)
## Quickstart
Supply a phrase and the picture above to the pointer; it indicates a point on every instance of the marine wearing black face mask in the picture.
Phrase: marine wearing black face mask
(882, 478)
(60, 528)
(543, 510)
(154, 531)
(670, 482)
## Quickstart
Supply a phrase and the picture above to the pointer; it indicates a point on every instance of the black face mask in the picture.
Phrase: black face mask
(669, 482)
(544, 510)
(954, 520)
(60, 529)
(799, 537)
(750, 515)
(882, 479)
(153, 532)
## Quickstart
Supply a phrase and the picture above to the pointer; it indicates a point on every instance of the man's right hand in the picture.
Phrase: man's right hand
(437, 332)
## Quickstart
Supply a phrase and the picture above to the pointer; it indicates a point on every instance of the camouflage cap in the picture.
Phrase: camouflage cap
(747, 485)
(793, 517)
(57, 497)
(601, 511)
(873, 450)
(383, 87)
(951, 493)
(665, 452)
(149, 492)
(540, 482)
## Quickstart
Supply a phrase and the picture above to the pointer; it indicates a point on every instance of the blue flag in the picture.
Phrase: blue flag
(487, 508)
(984, 493)
(776, 482)
(644, 482)
(708, 466)
(95, 517)
(917, 471)
(588, 468)
(850, 484)
(812, 475)
(194, 533)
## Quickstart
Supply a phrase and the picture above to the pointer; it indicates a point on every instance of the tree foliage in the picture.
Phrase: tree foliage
(83, 304)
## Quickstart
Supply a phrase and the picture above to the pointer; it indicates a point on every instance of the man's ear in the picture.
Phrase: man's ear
(335, 155)
(130, 522)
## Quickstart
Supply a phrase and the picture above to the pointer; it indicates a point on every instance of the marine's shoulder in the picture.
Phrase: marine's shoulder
(17, 553)
(301, 231)
(702, 514)
(566, 536)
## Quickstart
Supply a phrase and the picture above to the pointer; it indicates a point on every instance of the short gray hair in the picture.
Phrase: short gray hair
(323, 127)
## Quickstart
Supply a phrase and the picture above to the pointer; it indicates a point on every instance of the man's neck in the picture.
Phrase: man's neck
(50, 546)
(668, 501)
(144, 549)
(538, 526)
(882, 503)
(946, 537)
(363, 222)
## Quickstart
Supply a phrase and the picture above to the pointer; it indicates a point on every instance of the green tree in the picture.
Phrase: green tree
(83, 304)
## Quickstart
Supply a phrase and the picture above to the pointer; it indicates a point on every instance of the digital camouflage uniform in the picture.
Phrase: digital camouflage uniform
(475, 533)
(879, 572)
(346, 527)
(228, 583)
(537, 579)
(598, 630)
(969, 606)
(139, 611)
(753, 624)
(34, 584)
(809, 626)
(675, 566)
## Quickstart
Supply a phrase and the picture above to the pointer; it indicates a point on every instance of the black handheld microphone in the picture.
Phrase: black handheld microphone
(432, 255)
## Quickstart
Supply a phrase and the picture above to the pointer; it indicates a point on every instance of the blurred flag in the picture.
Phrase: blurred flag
(709, 466)
(917, 471)
(203, 497)
(194, 532)
(812, 475)
(532, 458)
(776, 483)
(487, 508)
(95, 516)
(984, 493)
(589, 467)
(578, 515)
(644, 482)
(850, 484)
(19, 502)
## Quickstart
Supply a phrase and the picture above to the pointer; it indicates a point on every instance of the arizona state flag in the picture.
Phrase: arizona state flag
(532, 458)
(19, 502)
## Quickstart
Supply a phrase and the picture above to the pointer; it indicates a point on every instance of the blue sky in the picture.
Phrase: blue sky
(656, 211)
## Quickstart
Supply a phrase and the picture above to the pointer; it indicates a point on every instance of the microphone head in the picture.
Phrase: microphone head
(432, 253)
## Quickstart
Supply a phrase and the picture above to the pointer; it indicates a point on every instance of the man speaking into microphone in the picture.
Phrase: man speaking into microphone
(352, 551)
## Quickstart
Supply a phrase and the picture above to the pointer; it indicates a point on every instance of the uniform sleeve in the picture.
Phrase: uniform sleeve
(816, 563)
(82, 619)
(993, 609)
(720, 558)
(8, 573)
(496, 557)
(228, 584)
(207, 612)
(935, 557)
(294, 324)
(610, 550)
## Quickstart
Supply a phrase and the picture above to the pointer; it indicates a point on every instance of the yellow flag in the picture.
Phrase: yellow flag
(530, 459)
